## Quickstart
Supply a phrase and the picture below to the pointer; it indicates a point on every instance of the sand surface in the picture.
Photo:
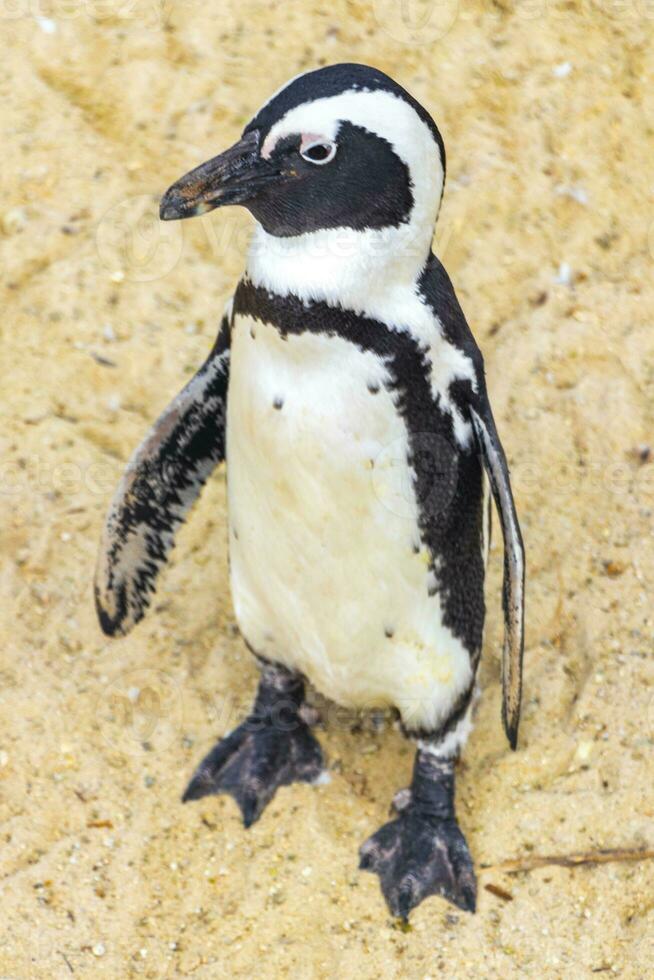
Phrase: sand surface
(547, 113)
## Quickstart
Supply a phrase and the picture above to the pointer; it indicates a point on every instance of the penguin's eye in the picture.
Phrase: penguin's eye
(319, 152)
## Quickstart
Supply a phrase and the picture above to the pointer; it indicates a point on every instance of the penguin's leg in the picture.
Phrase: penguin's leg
(273, 747)
(423, 852)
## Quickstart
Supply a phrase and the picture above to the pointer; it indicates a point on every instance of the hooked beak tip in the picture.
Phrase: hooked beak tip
(173, 207)
(229, 178)
(167, 212)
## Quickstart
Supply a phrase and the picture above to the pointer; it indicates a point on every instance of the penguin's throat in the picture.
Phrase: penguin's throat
(339, 265)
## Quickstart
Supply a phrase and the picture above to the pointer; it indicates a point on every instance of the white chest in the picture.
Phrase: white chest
(328, 573)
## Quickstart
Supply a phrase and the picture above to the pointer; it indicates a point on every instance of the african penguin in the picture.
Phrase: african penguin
(347, 395)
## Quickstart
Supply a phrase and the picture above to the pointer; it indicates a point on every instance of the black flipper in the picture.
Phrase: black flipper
(471, 397)
(163, 479)
(423, 851)
(513, 591)
(274, 747)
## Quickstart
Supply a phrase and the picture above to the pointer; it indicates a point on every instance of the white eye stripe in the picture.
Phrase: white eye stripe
(318, 152)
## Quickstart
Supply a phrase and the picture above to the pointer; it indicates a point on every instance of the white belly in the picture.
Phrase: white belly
(325, 573)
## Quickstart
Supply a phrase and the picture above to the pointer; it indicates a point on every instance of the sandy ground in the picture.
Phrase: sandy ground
(547, 233)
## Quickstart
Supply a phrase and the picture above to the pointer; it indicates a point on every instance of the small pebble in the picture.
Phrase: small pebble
(578, 194)
(47, 25)
(641, 454)
(564, 275)
(584, 751)
(13, 221)
(323, 779)
(99, 949)
(562, 70)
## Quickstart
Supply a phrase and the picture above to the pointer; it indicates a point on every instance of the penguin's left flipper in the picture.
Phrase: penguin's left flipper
(163, 479)
(492, 454)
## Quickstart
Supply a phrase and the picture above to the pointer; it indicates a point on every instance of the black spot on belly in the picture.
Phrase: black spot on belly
(253, 333)
(389, 632)
(278, 402)
(373, 387)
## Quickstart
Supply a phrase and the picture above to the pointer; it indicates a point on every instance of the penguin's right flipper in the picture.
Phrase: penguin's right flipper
(163, 479)
(492, 454)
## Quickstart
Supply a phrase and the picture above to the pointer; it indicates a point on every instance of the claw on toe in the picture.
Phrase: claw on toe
(417, 856)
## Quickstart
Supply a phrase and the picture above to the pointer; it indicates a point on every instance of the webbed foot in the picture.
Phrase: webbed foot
(273, 747)
(423, 851)
(416, 856)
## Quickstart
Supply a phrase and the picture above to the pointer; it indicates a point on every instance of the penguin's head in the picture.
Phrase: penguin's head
(343, 147)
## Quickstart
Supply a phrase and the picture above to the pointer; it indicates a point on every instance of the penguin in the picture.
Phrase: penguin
(347, 395)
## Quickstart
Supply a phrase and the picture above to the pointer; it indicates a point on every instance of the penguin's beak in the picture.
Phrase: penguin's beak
(233, 177)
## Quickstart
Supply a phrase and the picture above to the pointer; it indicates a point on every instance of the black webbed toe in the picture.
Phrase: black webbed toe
(415, 857)
(273, 747)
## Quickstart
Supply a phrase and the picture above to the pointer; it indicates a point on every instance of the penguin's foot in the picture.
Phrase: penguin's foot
(423, 851)
(273, 747)
(416, 856)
